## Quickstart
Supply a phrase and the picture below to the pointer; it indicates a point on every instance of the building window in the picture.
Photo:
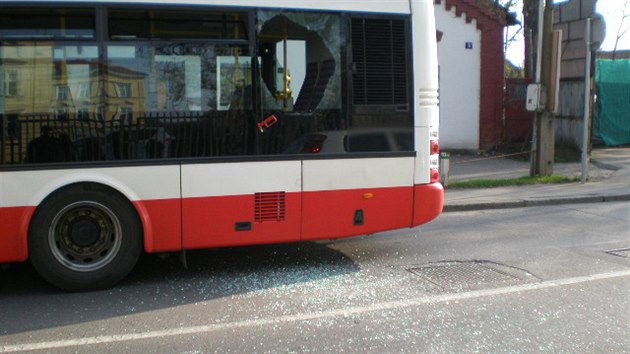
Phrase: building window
(83, 114)
(126, 113)
(101, 111)
(11, 83)
(123, 90)
(62, 93)
(61, 113)
(83, 91)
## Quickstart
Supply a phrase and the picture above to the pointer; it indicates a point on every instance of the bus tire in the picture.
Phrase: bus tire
(85, 237)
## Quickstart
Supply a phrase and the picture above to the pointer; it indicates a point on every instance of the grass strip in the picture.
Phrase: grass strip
(521, 181)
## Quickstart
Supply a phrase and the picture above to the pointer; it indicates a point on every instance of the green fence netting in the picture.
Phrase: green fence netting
(612, 115)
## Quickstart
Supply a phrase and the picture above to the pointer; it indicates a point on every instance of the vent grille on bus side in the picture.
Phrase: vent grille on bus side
(270, 206)
(380, 58)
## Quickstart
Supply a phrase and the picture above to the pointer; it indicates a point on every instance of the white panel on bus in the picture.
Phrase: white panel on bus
(421, 135)
(239, 178)
(322, 175)
(29, 188)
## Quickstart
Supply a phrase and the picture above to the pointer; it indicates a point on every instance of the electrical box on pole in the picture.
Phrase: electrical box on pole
(533, 102)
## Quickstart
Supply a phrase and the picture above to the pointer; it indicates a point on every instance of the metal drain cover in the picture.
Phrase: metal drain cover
(471, 275)
(624, 252)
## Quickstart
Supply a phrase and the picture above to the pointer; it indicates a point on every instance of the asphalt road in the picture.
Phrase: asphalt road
(530, 280)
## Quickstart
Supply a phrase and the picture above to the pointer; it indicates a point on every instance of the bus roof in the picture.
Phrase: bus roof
(377, 6)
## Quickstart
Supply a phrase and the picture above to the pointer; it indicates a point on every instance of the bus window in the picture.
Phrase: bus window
(151, 89)
(300, 71)
(176, 24)
(380, 87)
(52, 85)
(187, 100)
(46, 24)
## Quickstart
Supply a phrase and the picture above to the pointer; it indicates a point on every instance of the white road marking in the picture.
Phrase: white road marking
(384, 306)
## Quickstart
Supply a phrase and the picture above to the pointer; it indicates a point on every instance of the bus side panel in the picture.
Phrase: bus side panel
(336, 192)
(220, 202)
(428, 203)
(13, 233)
(231, 221)
(162, 223)
(343, 213)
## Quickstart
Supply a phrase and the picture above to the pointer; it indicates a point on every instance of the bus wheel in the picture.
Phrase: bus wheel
(85, 237)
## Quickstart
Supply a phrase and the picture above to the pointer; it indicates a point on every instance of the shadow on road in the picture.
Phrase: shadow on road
(28, 303)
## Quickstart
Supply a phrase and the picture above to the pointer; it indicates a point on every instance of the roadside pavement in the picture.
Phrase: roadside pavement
(609, 180)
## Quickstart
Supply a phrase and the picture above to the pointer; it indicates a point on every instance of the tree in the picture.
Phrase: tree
(622, 31)
(511, 6)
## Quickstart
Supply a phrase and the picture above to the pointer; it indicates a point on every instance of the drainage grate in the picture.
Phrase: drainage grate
(623, 252)
(471, 275)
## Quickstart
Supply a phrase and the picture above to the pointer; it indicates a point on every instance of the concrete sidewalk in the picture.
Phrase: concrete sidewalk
(609, 180)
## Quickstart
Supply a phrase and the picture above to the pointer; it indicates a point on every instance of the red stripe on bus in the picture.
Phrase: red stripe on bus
(211, 222)
(162, 224)
(14, 233)
(331, 214)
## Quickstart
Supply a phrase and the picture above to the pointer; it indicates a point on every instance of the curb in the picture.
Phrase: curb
(606, 166)
(535, 203)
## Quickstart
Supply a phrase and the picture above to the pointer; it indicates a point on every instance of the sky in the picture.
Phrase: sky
(611, 10)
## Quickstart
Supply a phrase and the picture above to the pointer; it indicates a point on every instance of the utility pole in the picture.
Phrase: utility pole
(587, 102)
(543, 137)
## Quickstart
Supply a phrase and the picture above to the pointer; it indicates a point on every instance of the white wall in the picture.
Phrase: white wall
(459, 80)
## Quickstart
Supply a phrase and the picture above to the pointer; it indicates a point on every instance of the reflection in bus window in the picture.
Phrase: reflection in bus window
(156, 91)
(193, 92)
(50, 85)
(172, 84)
(234, 82)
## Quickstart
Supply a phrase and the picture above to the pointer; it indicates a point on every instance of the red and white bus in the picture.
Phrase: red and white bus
(165, 126)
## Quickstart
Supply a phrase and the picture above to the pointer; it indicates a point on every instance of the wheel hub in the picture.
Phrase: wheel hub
(84, 232)
(85, 236)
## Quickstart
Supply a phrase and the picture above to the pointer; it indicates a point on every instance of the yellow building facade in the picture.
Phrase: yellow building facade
(66, 89)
